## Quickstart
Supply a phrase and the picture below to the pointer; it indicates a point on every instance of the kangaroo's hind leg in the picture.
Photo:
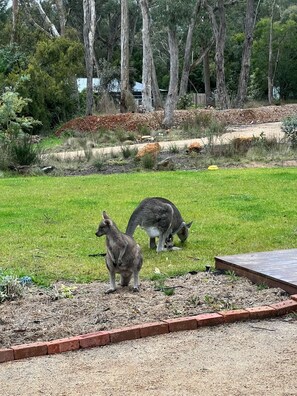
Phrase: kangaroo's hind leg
(112, 287)
(136, 269)
(162, 241)
(153, 244)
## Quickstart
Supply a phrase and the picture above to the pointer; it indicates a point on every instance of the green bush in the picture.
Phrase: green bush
(99, 162)
(289, 127)
(10, 287)
(195, 127)
(23, 152)
(173, 148)
(128, 151)
(185, 102)
(51, 82)
(148, 161)
(16, 147)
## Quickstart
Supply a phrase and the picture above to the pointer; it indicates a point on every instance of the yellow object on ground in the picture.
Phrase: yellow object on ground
(213, 167)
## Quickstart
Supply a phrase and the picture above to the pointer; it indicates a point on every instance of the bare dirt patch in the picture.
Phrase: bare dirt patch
(38, 316)
(153, 121)
(262, 123)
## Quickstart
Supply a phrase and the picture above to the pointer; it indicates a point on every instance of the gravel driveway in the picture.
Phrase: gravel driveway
(249, 358)
(272, 129)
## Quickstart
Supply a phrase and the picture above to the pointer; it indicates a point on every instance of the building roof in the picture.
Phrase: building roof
(114, 85)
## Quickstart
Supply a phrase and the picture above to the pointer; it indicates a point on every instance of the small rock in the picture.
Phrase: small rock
(166, 165)
(47, 169)
(194, 147)
(147, 138)
(150, 148)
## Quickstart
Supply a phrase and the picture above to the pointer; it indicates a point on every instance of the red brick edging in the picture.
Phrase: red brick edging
(101, 338)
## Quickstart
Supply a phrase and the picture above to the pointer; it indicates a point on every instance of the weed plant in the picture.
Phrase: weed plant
(20, 152)
(99, 162)
(289, 127)
(128, 151)
(174, 149)
(11, 287)
(148, 161)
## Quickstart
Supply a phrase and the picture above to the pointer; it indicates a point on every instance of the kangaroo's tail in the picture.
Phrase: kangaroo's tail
(133, 223)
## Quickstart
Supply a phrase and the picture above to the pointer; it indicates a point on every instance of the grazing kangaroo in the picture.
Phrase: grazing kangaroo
(159, 218)
(123, 254)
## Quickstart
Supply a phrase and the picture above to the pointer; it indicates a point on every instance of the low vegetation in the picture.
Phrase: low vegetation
(290, 128)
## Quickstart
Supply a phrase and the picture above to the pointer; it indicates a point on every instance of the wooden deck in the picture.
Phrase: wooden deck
(277, 268)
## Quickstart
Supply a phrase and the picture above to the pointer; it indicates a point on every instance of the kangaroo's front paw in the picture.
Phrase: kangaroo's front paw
(109, 291)
(135, 289)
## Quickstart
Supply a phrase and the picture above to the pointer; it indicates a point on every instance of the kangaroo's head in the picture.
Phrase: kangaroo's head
(104, 226)
(183, 232)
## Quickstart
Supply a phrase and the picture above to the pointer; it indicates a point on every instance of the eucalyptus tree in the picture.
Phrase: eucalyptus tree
(172, 16)
(271, 72)
(217, 14)
(15, 13)
(175, 20)
(282, 58)
(252, 7)
(4, 18)
(40, 18)
(125, 54)
(147, 55)
(89, 37)
(188, 49)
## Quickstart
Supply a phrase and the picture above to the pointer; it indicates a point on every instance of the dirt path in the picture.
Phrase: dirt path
(252, 358)
(272, 129)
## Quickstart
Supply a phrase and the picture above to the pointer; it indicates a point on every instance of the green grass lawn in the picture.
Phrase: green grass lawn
(47, 224)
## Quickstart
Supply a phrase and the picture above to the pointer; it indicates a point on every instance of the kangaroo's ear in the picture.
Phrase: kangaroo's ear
(104, 215)
(189, 224)
(106, 220)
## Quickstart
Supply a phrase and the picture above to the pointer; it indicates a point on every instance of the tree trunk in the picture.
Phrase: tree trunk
(157, 99)
(89, 36)
(219, 31)
(250, 19)
(270, 59)
(146, 58)
(48, 25)
(15, 13)
(62, 16)
(187, 56)
(171, 100)
(206, 77)
(124, 57)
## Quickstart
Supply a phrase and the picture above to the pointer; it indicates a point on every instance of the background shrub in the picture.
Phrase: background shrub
(289, 127)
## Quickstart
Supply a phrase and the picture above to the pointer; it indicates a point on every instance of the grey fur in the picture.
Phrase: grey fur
(123, 254)
(159, 218)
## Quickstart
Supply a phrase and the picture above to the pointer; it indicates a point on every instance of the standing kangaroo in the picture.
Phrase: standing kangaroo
(159, 218)
(123, 254)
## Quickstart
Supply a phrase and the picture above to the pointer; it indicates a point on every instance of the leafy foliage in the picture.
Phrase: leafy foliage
(289, 126)
(283, 54)
(15, 144)
(52, 83)
(12, 122)
(10, 287)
